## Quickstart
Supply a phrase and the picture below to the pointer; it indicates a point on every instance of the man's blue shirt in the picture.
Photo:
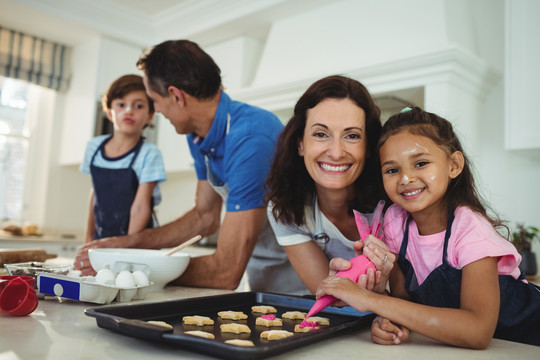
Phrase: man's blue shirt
(239, 151)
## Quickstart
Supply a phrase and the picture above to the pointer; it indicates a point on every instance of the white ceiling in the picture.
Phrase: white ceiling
(147, 22)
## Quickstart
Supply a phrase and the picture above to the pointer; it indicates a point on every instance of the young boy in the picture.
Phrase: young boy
(125, 169)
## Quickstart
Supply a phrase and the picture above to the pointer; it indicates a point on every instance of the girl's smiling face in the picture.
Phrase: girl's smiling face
(416, 172)
(334, 143)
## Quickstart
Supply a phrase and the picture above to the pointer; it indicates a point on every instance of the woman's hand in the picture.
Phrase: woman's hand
(383, 259)
(384, 332)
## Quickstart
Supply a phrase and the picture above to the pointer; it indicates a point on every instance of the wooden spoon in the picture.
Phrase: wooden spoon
(191, 241)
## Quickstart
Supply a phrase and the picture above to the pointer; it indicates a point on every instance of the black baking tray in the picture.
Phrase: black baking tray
(131, 320)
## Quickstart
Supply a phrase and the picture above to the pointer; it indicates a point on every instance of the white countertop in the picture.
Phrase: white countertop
(59, 329)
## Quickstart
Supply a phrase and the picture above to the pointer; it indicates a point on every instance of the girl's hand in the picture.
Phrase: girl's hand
(366, 281)
(345, 290)
(383, 259)
(385, 332)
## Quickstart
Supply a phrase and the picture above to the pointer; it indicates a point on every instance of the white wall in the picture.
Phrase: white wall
(356, 33)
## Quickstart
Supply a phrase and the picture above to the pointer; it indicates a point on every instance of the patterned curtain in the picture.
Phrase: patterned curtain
(35, 60)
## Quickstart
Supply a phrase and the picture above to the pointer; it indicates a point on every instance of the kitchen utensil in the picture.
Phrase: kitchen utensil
(4, 279)
(18, 298)
(131, 320)
(33, 268)
(11, 256)
(359, 264)
(191, 241)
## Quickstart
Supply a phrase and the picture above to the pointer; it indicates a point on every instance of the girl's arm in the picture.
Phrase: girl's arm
(90, 222)
(140, 209)
(470, 326)
(309, 262)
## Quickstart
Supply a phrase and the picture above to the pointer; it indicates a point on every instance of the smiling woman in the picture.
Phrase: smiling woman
(323, 169)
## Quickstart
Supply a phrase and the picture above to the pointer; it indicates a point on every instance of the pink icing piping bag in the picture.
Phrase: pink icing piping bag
(361, 224)
(359, 264)
(377, 218)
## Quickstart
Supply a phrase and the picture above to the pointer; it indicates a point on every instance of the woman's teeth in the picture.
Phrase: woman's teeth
(327, 167)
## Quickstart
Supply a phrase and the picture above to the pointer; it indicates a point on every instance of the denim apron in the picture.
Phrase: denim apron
(268, 269)
(114, 193)
(519, 314)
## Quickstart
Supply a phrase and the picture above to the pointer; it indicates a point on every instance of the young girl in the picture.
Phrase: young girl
(458, 280)
(125, 169)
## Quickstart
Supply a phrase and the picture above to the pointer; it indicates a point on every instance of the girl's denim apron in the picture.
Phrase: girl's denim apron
(519, 314)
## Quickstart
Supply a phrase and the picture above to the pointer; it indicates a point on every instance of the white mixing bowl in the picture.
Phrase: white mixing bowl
(162, 269)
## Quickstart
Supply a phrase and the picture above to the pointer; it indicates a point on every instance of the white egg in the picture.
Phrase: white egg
(105, 275)
(125, 280)
(140, 278)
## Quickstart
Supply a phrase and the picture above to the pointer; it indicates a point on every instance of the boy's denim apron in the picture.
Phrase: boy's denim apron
(519, 314)
(114, 193)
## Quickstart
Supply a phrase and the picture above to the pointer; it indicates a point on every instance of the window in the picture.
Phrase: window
(14, 143)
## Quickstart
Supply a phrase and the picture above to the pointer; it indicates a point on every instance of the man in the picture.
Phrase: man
(232, 145)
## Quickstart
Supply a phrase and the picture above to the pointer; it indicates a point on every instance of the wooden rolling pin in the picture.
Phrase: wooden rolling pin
(12, 256)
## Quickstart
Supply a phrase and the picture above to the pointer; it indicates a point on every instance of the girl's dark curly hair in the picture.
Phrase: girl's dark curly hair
(289, 185)
(462, 190)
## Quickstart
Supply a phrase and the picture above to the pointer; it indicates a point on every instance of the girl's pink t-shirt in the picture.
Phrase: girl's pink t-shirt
(472, 239)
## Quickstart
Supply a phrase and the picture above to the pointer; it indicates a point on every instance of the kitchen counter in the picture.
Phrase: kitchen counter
(59, 329)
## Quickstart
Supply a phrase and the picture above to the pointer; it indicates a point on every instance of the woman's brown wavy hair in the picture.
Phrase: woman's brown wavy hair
(289, 185)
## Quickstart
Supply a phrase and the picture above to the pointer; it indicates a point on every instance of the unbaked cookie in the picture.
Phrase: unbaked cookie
(235, 328)
(294, 315)
(275, 334)
(200, 333)
(263, 309)
(306, 328)
(232, 315)
(268, 320)
(321, 320)
(160, 323)
(197, 320)
(239, 342)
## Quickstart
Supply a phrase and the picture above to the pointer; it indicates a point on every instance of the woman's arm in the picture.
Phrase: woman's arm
(90, 222)
(470, 326)
(141, 211)
(309, 262)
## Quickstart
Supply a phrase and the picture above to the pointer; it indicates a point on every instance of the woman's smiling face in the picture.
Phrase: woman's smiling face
(334, 143)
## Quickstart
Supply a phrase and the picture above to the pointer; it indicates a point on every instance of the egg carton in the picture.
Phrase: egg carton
(86, 289)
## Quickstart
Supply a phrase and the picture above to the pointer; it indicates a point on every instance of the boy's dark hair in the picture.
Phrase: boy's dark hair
(462, 190)
(123, 86)
(182, 64)
(289, 185)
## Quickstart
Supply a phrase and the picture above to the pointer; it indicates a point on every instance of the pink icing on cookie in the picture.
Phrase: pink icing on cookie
(268, 317)
(311, 324)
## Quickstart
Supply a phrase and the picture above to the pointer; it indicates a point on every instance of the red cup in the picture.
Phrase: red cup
(4, 279)
(18, 297)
